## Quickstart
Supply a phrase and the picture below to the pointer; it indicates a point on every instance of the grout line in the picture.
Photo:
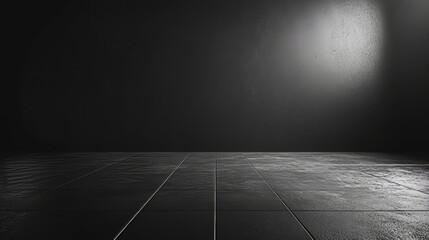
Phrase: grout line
(108, 165)
(344, 189)
(281, 200)
(229, 210)
(346, 165)
(385, 165)
(369, 210)
(215, 201)
(150, 198)
(264, 210)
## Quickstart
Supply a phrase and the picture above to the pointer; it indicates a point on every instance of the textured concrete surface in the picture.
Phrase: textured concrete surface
(339, 41)
(214, 196)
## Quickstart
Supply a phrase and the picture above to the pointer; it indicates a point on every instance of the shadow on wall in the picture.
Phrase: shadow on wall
(407, 86)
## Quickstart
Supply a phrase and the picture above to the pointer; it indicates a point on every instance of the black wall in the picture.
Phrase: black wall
(202, 76)
(407, 83)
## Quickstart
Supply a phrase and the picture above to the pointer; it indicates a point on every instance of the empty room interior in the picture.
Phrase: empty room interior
(215, 119)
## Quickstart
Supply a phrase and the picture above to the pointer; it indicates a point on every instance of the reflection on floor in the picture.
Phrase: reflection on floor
(214, 196)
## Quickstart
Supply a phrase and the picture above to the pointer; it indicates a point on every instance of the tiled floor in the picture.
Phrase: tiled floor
(214, 196)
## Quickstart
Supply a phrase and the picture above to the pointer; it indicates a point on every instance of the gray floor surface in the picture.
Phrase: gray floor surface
(214, 196)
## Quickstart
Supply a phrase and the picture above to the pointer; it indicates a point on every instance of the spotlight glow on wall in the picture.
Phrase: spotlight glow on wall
(340, 40)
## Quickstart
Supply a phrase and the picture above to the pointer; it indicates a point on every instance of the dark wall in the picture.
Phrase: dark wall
(24, 21)
(206, 76)
(407, 84)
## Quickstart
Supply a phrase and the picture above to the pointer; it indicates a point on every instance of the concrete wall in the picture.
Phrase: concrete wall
(224, 75)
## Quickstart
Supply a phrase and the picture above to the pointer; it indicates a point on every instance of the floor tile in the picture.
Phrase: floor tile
(62, 225)
(412, 177)
(7, 198)
(356, 199)
(366, 225)
(81, 199)
(258, 225)
(248, 200)
(183, 200)
(237, 181)
(119, 181)
(191, 180)
(171, 225)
